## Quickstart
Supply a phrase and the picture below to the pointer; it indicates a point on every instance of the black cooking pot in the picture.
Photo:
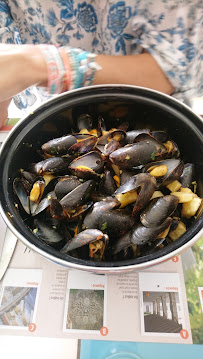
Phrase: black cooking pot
(142, 108)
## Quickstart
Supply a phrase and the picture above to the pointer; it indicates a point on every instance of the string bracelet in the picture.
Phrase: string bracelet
(91, 69)
(68, 68)
(67, 79)
(55, 68)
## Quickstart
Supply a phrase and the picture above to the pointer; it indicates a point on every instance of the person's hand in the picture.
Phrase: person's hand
(4, 111)
(21, 66)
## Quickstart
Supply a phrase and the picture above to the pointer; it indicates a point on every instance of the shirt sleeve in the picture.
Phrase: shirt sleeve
(171, 31)
(8, 31)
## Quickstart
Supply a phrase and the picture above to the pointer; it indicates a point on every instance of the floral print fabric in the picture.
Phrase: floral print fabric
(172, 31)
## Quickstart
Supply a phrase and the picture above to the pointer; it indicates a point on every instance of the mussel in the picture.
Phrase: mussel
(50, 165)
(131, 135)
(83, 238)
(59, 146)
(84, 121)
(142, 234)
(77, 197)
(127, 193)
(92, 219)
(48, 234)
(107, 184)
(165, 171)
(158, 210)
(65, 185)
(188, 175)
(87, 166)
(85, 143)
(140, 152)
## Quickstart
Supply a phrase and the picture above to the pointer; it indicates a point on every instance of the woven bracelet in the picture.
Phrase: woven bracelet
(55, 68)
(67, 81)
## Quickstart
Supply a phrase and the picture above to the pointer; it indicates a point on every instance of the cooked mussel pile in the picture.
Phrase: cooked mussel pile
(108, 195)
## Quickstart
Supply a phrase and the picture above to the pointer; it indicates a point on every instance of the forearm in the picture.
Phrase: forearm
(25, 65)
(139, 70)
(22, 66)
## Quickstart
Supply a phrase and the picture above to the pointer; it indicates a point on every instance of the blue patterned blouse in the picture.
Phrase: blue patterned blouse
(171, 30)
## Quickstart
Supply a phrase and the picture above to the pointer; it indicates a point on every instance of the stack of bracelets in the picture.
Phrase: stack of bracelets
(68, 68)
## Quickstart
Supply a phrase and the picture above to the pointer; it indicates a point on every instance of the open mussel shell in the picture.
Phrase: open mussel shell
(30, 177)
(50, 165)
(174, 169)
(50, 182)
(84, 121)
(147, 188)
(146, 185)
(131, 135)
(112, 146)
(110, 141)
(142, 234)
(74, 215)
(141, 152)
(117, 134)
(84, 144)
(65, 185)
(44, 203)
(36, 193)
(87, 166)
(77, 197)
(158, 210)
(160, 136)
(58, 212)
(27, 185)
(85, 237)
(172, 149)
(59, 146)
(29, 199)
(101, 126)
(126, 175)
(47, 233)
(188, 175)
(22, 194)
(134, 182)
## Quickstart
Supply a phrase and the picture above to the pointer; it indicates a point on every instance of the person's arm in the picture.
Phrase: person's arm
(140, 70)
(21, 66)
(171, 31)
(9, 34)
(25, 65)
